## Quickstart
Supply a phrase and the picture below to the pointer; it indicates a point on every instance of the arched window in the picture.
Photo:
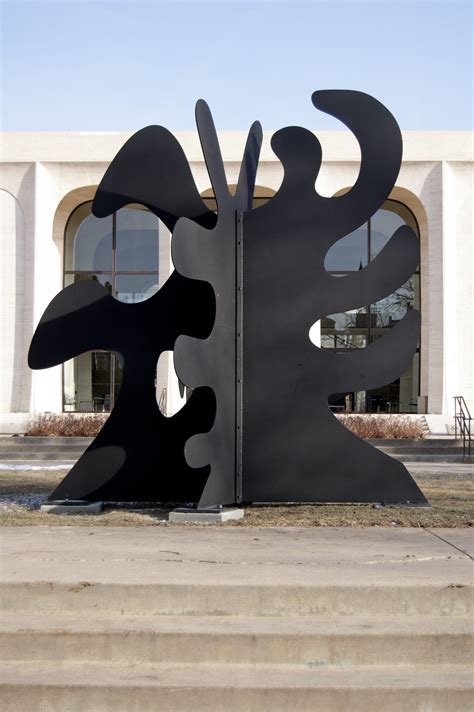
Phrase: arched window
(121, 252)
(358, 328)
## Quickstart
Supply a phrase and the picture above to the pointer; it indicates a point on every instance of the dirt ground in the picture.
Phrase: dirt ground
(450, 496)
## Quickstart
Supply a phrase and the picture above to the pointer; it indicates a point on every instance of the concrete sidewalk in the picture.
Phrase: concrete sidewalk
(217, 555)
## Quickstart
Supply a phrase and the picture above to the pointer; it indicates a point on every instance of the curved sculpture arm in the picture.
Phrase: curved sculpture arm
(151, 169)
(72, 324)
(392, 267)
(380, 143)
(379, 363)
(300, 154)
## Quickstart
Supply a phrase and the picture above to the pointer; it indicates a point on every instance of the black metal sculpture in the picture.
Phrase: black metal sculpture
(248, 285)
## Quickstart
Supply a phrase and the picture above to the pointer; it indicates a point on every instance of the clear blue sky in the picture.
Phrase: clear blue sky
(120, 65)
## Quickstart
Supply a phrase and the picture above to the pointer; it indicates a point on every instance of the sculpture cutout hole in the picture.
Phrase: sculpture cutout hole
(331, 182)
(315, 333)
(170, 393)
(92, 382)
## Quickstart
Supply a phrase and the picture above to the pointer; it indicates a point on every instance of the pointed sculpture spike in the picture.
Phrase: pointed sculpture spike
(212, 153)
(248, 168)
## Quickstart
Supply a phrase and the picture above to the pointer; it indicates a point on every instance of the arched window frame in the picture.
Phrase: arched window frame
(70, 275)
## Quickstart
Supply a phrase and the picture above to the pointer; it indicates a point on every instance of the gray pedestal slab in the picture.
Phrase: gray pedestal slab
(202, 516)
(71, 507)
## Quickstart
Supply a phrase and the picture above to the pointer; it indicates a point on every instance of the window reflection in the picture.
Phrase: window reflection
(92, 382)
(350, 253)
(358, 328)
(121, 253)
(136, 236)
(88, 241)
(135, 288)
(104, 279)
(382, 226)
(392, 309)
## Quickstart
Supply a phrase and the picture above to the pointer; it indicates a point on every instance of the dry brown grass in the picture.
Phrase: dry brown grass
(389, 427)
(67, 425)
(450, 495)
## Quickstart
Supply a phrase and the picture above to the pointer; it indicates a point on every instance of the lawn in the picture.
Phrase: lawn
(450, 495)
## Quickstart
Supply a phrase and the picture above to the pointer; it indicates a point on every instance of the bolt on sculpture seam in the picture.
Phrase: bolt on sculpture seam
(248, 284)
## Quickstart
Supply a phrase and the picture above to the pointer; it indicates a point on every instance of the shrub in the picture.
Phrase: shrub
(383, 426)
(364, 426)
(67, 424)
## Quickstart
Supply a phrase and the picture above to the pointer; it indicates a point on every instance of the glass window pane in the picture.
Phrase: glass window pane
(87, 383)
(118, 376)
(387, 312)
(382, 226)
(415, 282)
(136, 241)
(385, 399)
(408, 387)
(104, 279)
(350, 253)
(132, 288)
(347, 330)
(101, 381)
(92, 242)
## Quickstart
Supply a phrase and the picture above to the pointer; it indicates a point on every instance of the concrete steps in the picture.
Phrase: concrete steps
(445, 449)
(229, 619)
(98, 646)
(25, 448)
(221, 688)
(83, 598)
(303, 640)
(42, 448)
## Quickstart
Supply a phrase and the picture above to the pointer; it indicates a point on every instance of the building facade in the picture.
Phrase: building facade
(49, 239)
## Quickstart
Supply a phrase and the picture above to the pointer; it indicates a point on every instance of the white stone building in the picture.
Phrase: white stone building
(47, 183)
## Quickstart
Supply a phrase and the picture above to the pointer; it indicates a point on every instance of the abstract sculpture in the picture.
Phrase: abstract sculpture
(248, 285)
